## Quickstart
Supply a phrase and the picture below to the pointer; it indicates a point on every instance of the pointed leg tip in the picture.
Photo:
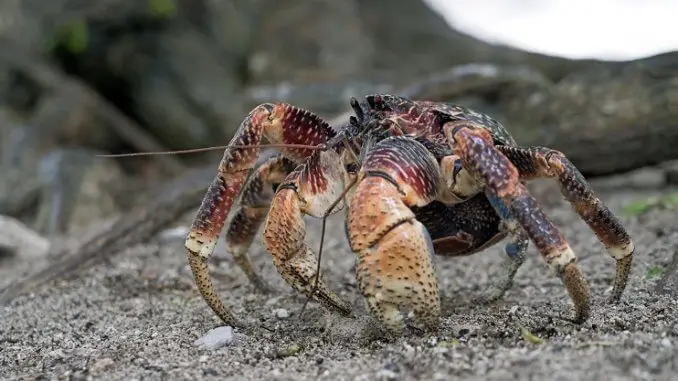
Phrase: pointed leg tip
(330, 299)
(581, 316)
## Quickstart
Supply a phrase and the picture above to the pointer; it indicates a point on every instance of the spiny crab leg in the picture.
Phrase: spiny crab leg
(482, 159)
(251, 210)
(539, 162)
(280, 123)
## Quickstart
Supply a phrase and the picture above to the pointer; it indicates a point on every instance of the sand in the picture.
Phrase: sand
(138, 315)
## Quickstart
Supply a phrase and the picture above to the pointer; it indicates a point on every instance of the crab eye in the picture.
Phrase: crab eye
(359, 113)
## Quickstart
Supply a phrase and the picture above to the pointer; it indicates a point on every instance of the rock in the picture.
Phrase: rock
(282, 313)
(21, 241)
(666, 343)
(385, 374)
(670, 170)
(54, 189)
(216, 338)
(174, 234)
(183, 71)
(78, 189)
(187, 92)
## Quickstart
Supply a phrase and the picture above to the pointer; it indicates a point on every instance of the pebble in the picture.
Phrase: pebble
(666, 343)
(282, 313)
(385, 374)
(173, 234)
(216, 338)
(409, 351)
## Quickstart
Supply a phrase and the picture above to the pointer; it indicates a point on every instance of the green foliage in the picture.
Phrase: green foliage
(642, 206)
(654, 272)
(448, 343)
(287, 351)
(293, 349)
(162, 9)
(529, 336)
(74, 36)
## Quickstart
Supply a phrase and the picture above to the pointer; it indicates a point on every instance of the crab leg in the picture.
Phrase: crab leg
(394, 252)
(515, 249)
(471, 226)
(280, 123)
(309, 190)
(501, 178)
(251, 211)
(535, 162)
(461, 185)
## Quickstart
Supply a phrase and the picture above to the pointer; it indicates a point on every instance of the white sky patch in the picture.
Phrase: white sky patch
(610, 29)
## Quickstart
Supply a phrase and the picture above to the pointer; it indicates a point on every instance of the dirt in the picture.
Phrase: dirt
(137, 317)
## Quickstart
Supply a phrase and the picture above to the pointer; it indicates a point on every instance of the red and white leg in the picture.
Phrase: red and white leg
(251, 211)
(279, 123)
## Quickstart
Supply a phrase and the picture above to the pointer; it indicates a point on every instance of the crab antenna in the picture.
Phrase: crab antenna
(196, 150)
(322, 241)
(353, 154)
(324, 227)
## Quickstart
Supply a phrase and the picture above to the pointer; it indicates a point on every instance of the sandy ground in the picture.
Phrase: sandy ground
(137, 317)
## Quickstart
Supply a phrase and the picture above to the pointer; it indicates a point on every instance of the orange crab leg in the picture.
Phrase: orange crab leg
(309, 190)
(279, 123)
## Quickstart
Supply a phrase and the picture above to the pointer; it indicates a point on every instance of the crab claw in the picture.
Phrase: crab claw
(394, 267)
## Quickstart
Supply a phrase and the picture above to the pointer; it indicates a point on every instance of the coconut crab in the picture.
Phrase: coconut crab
(430, 178)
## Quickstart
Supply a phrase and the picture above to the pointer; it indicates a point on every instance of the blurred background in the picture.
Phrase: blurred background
(77, 77)
(608, 29)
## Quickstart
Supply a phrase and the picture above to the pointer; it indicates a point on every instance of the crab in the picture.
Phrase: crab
(416, 178)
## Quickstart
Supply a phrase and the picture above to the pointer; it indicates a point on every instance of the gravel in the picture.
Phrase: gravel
(139, 316)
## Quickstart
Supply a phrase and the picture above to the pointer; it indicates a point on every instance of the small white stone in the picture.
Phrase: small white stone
(666, 343)
(216, 338)
(385, 374)
(409, 351)
(174, 234)
(282, 313)
(273, 301)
